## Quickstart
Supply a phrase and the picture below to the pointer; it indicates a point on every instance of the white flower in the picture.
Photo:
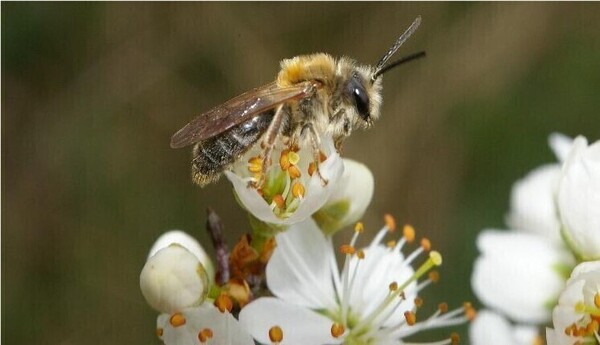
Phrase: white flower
(371, 301)
(579, 199)
(490, 328)
(292, 191)
(532, 203)
(349, 200)
(173, 279)
(189, 243)
(518, 274)
(576, 317)
(561, 145)
(203, 325)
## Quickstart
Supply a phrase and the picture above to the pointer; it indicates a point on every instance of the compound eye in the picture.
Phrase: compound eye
(360, 97)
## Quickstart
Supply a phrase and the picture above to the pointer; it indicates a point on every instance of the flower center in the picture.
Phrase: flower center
(588, 325)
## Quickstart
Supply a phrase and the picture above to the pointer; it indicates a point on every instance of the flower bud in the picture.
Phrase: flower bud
(173, 279)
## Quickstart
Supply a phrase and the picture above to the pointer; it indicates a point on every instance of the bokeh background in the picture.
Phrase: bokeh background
(92, 92)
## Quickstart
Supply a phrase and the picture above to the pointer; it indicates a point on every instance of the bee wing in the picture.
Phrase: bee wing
(237, 110)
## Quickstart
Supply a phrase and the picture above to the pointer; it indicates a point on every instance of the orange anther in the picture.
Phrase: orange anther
(284, 161)
(597, 300)
(337, 330)
(390, 222)
(359, 227)
(159, 332)
(322, 157)
(298, 190)
(425, 244)
(177, 320)
(224, 303)
(294, 172)
(454, 338)
(279, 201)
(443, 307)
(434, 276)
(347, 249)
(393, 286)
(418, 302)
(410, 317)
(205, 335)
(360, 254)
(276, 334)
(312, 167)
(391, 244)
(409, 233)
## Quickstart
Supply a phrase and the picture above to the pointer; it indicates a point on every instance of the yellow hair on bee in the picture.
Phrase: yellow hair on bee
(308, 67)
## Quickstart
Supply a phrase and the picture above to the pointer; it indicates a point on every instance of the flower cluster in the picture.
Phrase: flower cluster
(522, 273)
(283, 284)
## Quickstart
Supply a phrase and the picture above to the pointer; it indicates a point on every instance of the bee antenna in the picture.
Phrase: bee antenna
(411, 29)
(399, 62)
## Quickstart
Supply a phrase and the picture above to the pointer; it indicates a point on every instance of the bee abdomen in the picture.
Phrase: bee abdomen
(212, 156)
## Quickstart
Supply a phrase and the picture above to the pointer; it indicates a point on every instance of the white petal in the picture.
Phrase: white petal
(173, 279)
(516, 275)
(315, 197)
(189, 243)
(579, 199)
(490, 328)
(225, 328)
(354, 189)
(561, 145)
(533, 207)
(299, 325)
(298, 271)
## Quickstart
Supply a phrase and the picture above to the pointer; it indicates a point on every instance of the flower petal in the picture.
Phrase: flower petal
(299, 325)
(516, 274)
(298, 271)
(490, 328)
(561, 145)
(533, 207)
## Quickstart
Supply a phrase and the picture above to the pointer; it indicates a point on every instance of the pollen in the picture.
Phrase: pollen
(347, 249)
(409, 233)
(298, 190)
(426, 244)
(159, 332)
(279, 201)
(337, 330)
(294, 172)
(205, 335)
(276, 334)
(390, 222)
(359, 227)
(411, 318)
(177, 320)
(224, 303)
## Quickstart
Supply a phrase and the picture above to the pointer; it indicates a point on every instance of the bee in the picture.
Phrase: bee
(313, 95)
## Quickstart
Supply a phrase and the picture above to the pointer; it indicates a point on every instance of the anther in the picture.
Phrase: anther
(393, 286)
(284, 161)
(360, 254)
(409, 233)
(294, 172)
(298, 190)
(276, 334)
(410, 317)
(359, 227)
(435, 257)
(312, 167)
(425, 244)
(159, 332)
(443, 307)
(597, 300)
(470, 312)
(255, 164)
(347, 249)
(279, 201)
(205, 335)
(337, 330)
(322, 156)
(434, 276)
(454, 338)
(293, 157)
(224, 303)
(418, 302)
(390, 222)
(391, 244)
(177, 320)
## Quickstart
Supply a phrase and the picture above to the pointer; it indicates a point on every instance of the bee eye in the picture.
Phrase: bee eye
(360, 97)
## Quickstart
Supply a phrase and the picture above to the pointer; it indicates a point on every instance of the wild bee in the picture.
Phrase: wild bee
(313, 95)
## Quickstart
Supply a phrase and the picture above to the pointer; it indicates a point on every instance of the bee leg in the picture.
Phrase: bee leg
(267, 144)
(315, 141)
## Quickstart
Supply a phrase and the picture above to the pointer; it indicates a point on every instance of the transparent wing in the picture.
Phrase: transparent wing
(237, 110)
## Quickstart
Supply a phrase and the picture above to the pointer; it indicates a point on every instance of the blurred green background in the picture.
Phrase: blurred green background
(92, 92)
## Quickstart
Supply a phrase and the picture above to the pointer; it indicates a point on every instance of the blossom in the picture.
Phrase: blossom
(576, 317)
(579, 199)
(372, 300)
(293, 189)
(349, 200)
(519, 274)
(490, 328)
